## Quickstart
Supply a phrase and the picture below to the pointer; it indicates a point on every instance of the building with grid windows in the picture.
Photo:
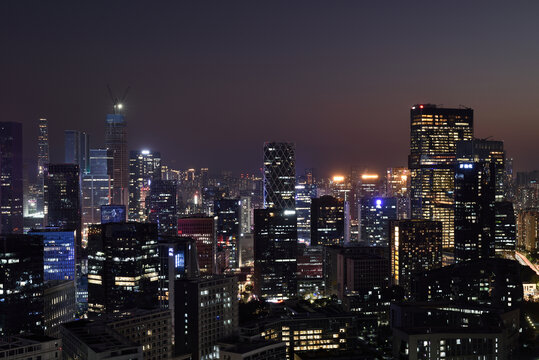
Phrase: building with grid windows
(434, 133)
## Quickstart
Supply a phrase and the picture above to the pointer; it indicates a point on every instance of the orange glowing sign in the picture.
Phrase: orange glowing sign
(338, 178)
(369, 176)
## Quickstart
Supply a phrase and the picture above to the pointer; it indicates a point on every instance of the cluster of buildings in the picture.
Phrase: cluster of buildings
(113, 254)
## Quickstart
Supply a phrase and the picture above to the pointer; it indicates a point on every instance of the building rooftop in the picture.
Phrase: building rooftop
(98, 336)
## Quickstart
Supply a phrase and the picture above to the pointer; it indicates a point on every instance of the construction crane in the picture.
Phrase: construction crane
(118, 102)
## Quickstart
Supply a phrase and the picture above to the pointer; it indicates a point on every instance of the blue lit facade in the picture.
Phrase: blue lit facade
(58, 254)
(305, 192)
(375, 215)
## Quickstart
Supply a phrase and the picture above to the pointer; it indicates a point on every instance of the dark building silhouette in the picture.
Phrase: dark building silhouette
(162, 206)
(227, 212)
(475, 192)
(21, 278)
(62, 200)
(123, 267)
(275, 253)
(207, 307)
(415, 246)
(327, 221)
(493, 282)
(11, 185)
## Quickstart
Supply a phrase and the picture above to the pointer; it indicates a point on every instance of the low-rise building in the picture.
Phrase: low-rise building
(30, 347)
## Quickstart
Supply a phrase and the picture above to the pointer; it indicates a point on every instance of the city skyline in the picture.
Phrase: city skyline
(218, 67)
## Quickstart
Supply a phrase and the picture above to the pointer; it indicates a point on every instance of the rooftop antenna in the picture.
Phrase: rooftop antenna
(117, 102)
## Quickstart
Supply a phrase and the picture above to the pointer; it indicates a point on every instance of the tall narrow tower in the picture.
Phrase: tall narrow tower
(43, 151)
(116, 142)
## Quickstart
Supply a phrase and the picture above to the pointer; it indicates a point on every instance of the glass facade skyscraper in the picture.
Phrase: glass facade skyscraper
(77, 149)
(374, 217)
(144, 167)
(275, 227)
(96, 186)
(279, 175)
(58, 253)
(434, 133)
(123, 266)
(328, 221)
(116, 142)
(162, 206)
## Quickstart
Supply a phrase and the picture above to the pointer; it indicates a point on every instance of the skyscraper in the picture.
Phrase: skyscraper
(21, 276)
(475, 190)
(11, 186)
(275, 253)
(305, 192)
(162, 208)
(96, 186)
(202, 229)
(62, 199)
(144, 167)
(58, 253)
(415, 246)
(434, 133)
(206, 312)
(279, 175)
(374, 217)
(77, 149)
(123, 266)
(275, 227)
(328, 221)
(43, 148)
(116, 141)
(228, 213)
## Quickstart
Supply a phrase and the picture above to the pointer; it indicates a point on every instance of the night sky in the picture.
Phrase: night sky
(211, 81)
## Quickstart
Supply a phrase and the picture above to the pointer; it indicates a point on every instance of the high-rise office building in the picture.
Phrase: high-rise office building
(162, 207)
(43, 147)
(374, 217)
(227, 213)
(206, 312)
(246, 215)
(202, 229)
(21, 278)
(475, 191)
(304, 193)
(62, 200)
(398, 186)
(275, 226)
(279, 175)
(484, 223)
(178, 259)
(505, 232)
(11, 185)
(328, 221)
(492, 152)
(96, 186)
(434, 133)
(116, 142)
(58, 253)
(144, 167)
(77, 149)
(275, 253)
(123, 267)
(528, 230)
(415, 246)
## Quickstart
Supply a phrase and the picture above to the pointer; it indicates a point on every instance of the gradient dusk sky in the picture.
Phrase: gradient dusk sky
(211, 81)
